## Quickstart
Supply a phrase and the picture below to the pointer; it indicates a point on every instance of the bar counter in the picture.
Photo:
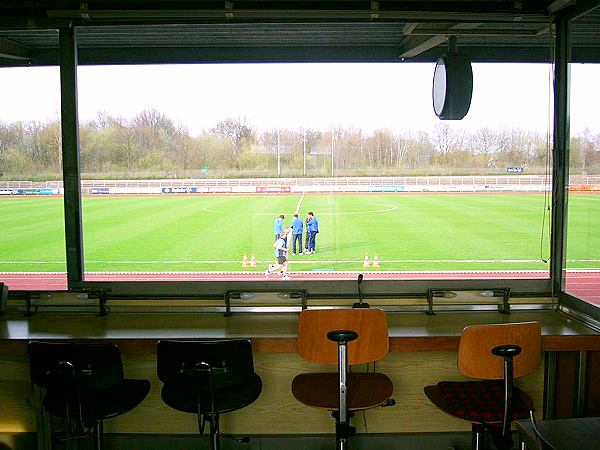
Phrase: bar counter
(276, 332)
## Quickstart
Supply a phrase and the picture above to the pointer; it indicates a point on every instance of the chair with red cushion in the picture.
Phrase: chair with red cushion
(496, 354)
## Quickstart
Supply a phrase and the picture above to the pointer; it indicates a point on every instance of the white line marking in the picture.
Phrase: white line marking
(386, 208)
(299, 204)
(306, 261)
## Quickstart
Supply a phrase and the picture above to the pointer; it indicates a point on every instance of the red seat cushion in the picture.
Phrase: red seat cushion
(477, 401)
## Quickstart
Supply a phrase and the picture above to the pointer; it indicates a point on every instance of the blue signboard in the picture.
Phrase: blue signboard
(100, 190)
(28, 191)
(179, 190)
(398, 188)
(514, 169)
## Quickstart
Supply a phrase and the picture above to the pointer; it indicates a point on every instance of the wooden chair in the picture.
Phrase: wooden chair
(343, 337)
(496, 354)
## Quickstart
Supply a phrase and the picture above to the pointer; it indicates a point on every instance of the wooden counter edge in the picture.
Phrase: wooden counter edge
(553, 343)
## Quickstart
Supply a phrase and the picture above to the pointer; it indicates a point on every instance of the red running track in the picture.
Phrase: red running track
(583, 284)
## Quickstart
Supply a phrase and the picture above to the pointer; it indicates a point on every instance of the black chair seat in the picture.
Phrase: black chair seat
(320, 390)
(103, 403)
(181, 396)
(478, 401)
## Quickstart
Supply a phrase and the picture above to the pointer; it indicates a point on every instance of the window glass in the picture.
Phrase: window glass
(187, 167)
(583, 237)
(32, 241)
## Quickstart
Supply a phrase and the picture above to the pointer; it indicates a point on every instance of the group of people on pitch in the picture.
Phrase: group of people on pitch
(294, 233)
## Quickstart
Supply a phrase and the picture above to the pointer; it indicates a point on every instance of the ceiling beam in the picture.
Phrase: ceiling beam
(480, 32)
(411, 46)
(12, 50)
(558, 5)
(268, 15)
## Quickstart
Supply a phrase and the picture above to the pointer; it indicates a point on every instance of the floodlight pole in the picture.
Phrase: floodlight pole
(332, 149)
(278, 155)
(304, 150)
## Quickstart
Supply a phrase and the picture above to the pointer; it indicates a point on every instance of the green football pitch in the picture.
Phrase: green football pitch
(407, 232)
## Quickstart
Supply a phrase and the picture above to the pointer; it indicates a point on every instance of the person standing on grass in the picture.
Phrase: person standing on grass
(312, 225)
(307, 236)
(281, 255)
(297, 230)
(278, 226)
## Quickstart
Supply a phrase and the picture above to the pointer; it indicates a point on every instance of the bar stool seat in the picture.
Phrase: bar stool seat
(103, 403)
(320, 390)
(478, 401)
(226, 399)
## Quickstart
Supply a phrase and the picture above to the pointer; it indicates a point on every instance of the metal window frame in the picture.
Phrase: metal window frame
(552, 286)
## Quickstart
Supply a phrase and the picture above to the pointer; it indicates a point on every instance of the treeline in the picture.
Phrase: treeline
(152, 144)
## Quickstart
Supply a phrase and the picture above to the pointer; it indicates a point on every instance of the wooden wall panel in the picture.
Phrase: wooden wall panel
(16, 411)
(566, 380)
(592, 402)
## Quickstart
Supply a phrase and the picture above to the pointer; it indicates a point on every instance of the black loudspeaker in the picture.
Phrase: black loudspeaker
(452, 86)
(3, 297)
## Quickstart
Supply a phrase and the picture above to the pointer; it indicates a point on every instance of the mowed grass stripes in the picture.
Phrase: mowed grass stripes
(212, 233)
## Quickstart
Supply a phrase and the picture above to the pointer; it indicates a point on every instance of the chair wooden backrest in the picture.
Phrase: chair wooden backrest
(475, 358)
(370, 324)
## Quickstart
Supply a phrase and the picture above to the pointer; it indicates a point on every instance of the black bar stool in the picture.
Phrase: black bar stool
(84, 385)
(208, 378)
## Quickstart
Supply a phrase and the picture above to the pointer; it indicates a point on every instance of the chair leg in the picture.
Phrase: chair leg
(477, 437)
(501, 441)
(99, 435)
(215, 433)
(342, 437)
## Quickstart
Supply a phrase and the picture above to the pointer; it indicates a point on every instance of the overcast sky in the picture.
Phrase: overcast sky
(367, 96)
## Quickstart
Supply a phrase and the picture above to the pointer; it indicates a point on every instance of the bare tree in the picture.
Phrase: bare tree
(237, 132)
(446, 140)
(485, 144)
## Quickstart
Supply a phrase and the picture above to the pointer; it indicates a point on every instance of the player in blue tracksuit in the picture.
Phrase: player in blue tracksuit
(278, 226)
(297, 229)
(312, 225)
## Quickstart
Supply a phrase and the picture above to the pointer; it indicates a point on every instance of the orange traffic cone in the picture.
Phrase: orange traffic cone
(245, 261)
(375, 261)
(366, 262)
(253, 260)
